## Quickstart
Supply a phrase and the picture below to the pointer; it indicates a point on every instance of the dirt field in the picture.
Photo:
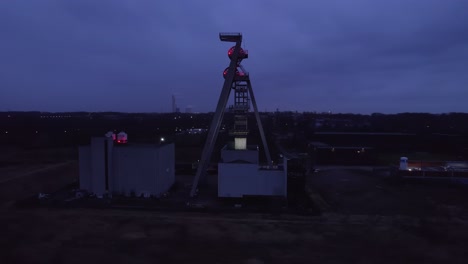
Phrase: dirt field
(367, 219)
(90, 236)
(20, 181)
(365, 190)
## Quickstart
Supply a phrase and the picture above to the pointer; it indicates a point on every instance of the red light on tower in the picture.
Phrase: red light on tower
(243, 54)
(225, 72)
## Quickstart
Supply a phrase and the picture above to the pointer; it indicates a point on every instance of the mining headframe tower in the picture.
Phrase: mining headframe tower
(237, 79)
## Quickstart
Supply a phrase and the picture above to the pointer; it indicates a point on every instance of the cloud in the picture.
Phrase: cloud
(353, 56)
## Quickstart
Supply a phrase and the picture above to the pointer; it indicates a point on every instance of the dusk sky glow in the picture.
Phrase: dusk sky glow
(360, 56)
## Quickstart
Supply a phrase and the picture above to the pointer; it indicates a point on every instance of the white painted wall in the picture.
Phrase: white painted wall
(166, 168)
(84, 156)
(97, 166)
(228, 155)
(92, 165)
(134, 170)
(142, 169)
(237, 180)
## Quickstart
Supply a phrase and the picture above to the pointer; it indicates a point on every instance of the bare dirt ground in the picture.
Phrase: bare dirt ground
(111, 236)
(27, 172)
(366, 219)
(18, 182)
(365, 190)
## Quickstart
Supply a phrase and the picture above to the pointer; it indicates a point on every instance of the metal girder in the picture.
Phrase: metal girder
(230, 36)
(259, 123)
(216, 122)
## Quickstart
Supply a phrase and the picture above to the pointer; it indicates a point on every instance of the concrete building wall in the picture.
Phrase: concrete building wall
(97, 166)
(142, 170)
(166, 168)
(237, 180)
(84, 156)
(228, 155)
(92, 166)
(131, 173)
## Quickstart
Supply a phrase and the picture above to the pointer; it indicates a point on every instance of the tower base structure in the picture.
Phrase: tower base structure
(240, 174)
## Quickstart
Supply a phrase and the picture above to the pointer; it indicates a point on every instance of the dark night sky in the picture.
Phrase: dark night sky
(132, 55)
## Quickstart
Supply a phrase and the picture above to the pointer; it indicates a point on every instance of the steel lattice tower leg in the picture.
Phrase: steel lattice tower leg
(259, 123)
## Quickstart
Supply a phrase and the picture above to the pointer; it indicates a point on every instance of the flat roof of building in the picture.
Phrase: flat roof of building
(141, 145)
(230, 146)
(366, 133)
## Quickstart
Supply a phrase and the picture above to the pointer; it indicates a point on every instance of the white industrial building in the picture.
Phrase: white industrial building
(142, 170)
(239, 174)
